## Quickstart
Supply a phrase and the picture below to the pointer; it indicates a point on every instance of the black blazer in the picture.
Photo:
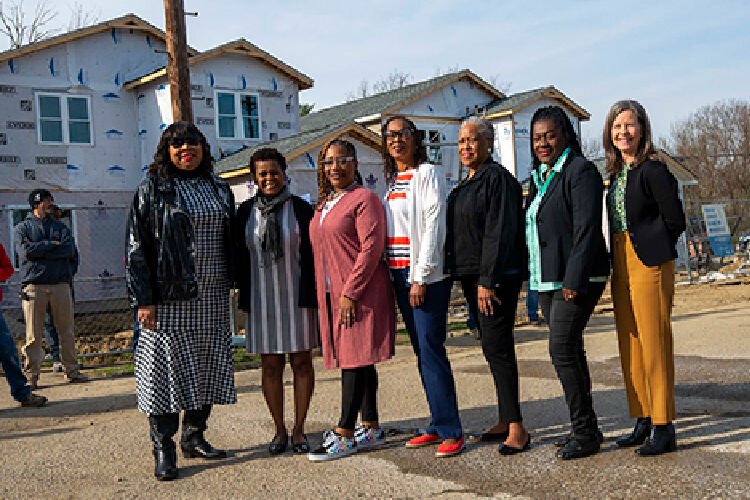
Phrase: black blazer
(569, 224)
(485, 230)
(654, 212)
(303, 212)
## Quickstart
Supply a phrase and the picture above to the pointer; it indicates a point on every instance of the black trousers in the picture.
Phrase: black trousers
(567, 320)
(497, 343)
(359, 389)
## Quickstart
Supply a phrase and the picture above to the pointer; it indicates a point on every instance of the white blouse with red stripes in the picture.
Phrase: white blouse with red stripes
(397, 201)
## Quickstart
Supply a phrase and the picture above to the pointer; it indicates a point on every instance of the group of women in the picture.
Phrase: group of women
(330, 277)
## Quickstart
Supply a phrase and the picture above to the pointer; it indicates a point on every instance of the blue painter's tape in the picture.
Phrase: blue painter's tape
(117, 78)
(116, 168)
(161, 87)
(80, 76)
(211, 79)
(52, 66)
(148, 40)
(113, 133)
(455, 92)
(110, 95)
(430, 108)
(141, 96)
(162, 126)
(310, 160)
(145, 168)
(114, 35)
(244, 82)
(275, 84)
(72, 167)
(142, 132)
(10, 66)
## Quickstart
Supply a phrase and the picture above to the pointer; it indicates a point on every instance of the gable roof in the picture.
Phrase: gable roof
(389, 101)
(675, 165)
(128, 21)
(291, 147)
(239, 46)
(509, 104)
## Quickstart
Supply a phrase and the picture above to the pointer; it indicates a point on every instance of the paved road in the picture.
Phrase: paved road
(91, 443)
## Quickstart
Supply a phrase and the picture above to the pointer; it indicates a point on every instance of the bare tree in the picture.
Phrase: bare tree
(20, 31)
(395, 80)
(80, 18)
(501, 85)
(715, 143)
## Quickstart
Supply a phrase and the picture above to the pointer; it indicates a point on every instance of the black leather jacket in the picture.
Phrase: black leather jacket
(160, 248)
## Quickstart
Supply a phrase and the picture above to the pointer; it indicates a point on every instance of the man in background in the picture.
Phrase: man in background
(50, 332)
(45, 248)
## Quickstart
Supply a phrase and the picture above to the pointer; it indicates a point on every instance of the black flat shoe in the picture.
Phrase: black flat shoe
(301, 447)
(488, 437)
(507, 450)
(278, 448)
(563, 440)
(662, 441)
(640, 432)
(578, 448)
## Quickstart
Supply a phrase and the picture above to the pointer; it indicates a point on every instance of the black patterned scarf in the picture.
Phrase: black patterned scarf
(270, 226)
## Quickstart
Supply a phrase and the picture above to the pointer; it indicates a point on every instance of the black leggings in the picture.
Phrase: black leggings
(359, 389)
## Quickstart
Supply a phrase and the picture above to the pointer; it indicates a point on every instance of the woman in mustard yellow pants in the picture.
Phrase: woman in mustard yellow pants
(646, 218)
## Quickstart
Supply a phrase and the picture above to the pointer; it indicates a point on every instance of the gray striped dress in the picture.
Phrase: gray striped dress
(275, 323)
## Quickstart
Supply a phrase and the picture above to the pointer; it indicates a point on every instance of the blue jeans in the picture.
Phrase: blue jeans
(11, 366)
(532, 304)
(427, 329)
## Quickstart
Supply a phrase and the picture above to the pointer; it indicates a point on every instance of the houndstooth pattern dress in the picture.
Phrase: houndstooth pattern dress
(186, 362)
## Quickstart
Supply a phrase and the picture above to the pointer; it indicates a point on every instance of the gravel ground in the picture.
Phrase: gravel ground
(90, 442)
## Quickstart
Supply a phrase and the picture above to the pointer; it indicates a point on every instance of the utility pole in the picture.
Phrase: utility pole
(177, 61)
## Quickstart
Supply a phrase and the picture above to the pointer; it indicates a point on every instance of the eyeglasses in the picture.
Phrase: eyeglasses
(328, 162)
(177, 142)
(392, 135)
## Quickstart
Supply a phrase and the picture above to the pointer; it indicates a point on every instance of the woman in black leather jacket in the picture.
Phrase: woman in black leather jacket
(178, 261)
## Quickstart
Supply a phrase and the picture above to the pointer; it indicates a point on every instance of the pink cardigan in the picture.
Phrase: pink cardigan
(349, 247)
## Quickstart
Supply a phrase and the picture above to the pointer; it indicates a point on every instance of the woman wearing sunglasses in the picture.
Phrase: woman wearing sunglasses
(178, 260)
(357, 316)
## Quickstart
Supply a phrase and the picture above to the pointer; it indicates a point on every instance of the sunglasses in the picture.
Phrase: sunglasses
(177, 142)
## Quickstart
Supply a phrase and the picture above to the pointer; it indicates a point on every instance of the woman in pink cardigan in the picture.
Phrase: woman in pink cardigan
(357, 316)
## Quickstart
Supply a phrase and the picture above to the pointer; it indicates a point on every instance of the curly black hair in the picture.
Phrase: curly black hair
(267, 154)
(162, 164)
(556, 115)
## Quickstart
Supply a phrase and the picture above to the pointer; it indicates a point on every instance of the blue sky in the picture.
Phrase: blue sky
(673, 56)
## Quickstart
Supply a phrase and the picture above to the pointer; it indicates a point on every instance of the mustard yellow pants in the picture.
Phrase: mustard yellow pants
(642, 297)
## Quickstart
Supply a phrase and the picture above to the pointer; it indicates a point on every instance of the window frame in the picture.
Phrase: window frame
(64, 118)
(11, 209)
(433, 148)
(239, 132)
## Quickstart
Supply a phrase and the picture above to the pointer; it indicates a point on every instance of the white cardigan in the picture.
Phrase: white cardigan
(427, 224)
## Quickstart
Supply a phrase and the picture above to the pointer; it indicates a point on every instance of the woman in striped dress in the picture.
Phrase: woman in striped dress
(277, 289)
(178, 260)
